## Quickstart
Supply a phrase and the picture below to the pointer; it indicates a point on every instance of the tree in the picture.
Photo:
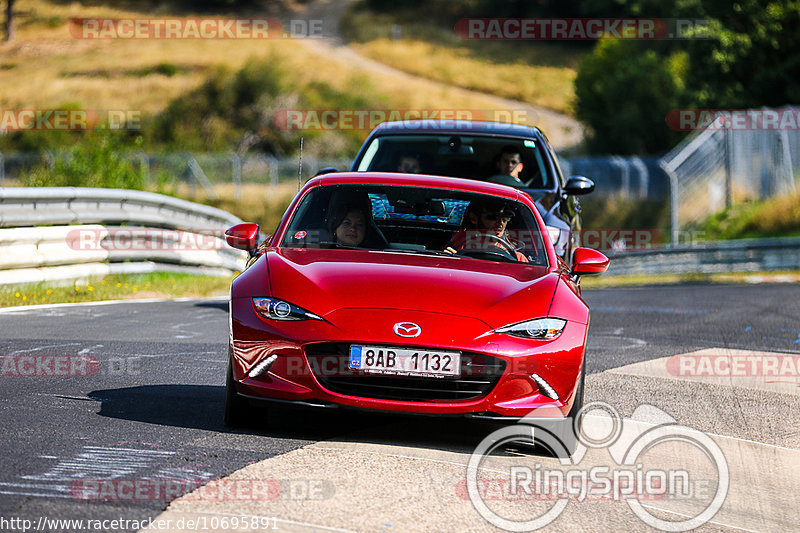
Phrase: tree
(9, 20)
(750, 56)
(624, 91)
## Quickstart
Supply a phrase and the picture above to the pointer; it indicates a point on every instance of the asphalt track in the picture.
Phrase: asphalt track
(149, 412)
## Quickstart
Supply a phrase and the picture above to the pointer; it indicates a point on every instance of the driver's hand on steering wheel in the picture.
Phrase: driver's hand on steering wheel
(451, 250)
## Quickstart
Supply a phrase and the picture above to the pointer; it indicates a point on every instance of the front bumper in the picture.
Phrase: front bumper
(311, 365)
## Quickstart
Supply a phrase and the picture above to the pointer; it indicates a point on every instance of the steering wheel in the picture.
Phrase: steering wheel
(488, 250)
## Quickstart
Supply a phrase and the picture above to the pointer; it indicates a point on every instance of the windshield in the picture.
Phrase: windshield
(416, 220)
(461, 156)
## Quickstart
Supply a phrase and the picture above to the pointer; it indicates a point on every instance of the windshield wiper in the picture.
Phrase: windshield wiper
(419, 252)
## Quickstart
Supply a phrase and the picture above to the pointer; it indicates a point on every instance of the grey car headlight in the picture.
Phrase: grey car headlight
(539, 328)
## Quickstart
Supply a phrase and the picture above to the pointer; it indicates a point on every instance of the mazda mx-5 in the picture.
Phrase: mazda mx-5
(408, 293)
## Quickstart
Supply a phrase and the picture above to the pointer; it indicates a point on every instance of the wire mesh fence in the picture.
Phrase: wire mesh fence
(631, 177)
(213, 174)
(204, 173)
(726, 163)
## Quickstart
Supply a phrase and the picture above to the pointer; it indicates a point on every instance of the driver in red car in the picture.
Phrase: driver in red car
(485, 226)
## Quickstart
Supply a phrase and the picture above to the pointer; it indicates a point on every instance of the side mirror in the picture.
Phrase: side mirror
(326, 170)
(243, 236)
(578, 185)
(586, 261)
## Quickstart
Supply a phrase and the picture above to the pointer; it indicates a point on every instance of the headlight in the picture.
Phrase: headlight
(540, 328)
(275, 309)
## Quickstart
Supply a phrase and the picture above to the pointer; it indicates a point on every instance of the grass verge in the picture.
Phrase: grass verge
(117, 287)
(775, 217)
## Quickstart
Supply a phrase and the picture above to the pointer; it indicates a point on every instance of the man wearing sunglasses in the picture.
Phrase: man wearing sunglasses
(485, 228)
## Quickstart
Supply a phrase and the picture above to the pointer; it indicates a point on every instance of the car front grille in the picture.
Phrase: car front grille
(329, 363)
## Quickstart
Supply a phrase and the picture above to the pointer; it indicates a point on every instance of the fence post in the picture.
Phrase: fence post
(200, 177)
(236, 169)
(673, 202)
(2, 170)
(625, 176)
(726, 132)
(787, 160)
(644, 177)
(144, 165)
(273, 172)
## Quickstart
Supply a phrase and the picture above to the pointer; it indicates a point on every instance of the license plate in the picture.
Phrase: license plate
(405, 361)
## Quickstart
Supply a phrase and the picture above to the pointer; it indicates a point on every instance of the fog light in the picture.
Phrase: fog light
(263, 367)
(544, 387)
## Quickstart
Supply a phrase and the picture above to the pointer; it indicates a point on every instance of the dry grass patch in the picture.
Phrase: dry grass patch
(49, 67)
(545, 86)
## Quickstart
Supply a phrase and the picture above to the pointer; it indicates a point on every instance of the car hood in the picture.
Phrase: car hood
(324, 281)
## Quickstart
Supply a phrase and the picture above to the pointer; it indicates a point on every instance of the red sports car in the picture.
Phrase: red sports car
(408, 293)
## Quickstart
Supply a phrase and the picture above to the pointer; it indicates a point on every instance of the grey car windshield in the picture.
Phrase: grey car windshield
(461, 156)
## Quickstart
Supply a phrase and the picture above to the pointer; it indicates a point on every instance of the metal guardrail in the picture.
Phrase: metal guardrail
(58, 234)
(745, 255)
(33, 206)
(35, 242)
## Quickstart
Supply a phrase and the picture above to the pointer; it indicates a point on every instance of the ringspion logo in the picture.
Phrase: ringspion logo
(633, 473)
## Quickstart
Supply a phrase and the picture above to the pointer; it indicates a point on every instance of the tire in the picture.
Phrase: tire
(237, 410)
(564, 430)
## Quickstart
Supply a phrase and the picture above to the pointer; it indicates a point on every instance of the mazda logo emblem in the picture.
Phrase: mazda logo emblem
(407, 329)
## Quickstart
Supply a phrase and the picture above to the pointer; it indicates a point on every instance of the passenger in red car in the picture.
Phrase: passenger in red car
(485, 225)
(348, 227)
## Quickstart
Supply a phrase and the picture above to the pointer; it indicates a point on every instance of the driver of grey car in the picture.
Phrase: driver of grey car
(508, 164)
(485, 224)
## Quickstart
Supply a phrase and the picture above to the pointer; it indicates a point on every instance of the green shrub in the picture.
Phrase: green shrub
(235, 110)
(98, 162)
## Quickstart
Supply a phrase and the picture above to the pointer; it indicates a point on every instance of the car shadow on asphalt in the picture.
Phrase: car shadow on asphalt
(200, 407)
(221, 305)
